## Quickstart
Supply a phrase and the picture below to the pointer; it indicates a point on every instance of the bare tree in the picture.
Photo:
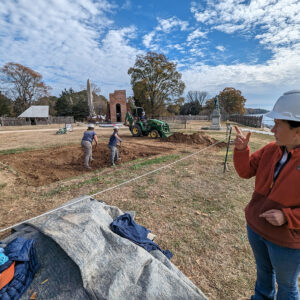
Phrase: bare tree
(22, 83)
(96, 89)
(196, 96)
(194, 103)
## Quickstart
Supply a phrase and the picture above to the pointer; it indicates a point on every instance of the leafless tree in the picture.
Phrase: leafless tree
(197, 96)
(22, 83)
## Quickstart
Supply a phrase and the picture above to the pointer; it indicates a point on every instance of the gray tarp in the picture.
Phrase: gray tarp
(83, 259)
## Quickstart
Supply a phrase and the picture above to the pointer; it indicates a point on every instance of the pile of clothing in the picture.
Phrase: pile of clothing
(18, 264)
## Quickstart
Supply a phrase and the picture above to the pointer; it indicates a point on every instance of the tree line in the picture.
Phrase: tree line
(21, 87)
(156, 84)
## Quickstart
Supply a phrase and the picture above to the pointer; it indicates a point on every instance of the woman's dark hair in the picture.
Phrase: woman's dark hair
(293, 124)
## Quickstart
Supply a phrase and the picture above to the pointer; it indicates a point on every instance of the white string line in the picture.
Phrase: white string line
(111, 188)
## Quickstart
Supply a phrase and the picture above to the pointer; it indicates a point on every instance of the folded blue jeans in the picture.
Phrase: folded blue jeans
(274, 264)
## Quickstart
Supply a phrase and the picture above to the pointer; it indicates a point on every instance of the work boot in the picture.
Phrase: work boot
(87, 167)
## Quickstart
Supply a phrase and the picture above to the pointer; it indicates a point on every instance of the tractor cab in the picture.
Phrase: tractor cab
(139, 114)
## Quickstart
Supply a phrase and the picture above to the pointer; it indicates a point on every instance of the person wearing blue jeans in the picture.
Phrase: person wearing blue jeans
(112, 145)
(86, 143)
(274, 263)
(273, 214)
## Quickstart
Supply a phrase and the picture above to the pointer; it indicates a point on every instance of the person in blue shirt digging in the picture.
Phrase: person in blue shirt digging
(112, 145)
(86, 143)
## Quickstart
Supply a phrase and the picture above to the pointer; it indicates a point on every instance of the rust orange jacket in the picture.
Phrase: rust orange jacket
(283, 193)
(7, 275)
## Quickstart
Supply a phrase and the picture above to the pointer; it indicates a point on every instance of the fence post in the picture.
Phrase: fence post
(227, 148)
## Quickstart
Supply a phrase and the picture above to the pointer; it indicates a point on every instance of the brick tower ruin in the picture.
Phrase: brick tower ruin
(117, 106)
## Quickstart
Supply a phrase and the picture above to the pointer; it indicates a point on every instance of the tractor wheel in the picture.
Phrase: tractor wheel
(136, 130)
(154, 134)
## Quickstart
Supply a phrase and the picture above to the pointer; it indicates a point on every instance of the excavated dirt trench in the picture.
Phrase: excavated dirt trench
(37, 168)
(41, 167)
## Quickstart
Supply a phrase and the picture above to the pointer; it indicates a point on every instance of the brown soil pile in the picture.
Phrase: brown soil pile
(40, 167)
(195, 138)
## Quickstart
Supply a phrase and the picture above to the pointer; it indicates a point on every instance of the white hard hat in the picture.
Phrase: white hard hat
(287, 107)
(91, 125)
(116, 127)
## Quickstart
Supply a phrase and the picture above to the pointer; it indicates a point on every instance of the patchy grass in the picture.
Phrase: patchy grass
(13, 151)
(63, 188)
(157, 160)
(195, 210)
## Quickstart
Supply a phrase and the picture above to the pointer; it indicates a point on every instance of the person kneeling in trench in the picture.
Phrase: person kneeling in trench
(112, 145)
(87, 140)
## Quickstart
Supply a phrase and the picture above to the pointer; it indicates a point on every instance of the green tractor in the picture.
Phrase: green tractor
(139, 126)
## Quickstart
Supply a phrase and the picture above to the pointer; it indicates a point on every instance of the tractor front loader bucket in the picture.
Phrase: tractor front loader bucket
(165, 134)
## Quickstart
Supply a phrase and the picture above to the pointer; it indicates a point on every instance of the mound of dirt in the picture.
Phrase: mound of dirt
(195, 138)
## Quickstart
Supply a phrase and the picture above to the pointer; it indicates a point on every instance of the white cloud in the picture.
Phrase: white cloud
(70, 41)
(127, 5)
(167, 25)
(220, 48)
(278, 20)
(67, 42)
(195, 35)
(147, 39)
(275, 23)
(276, 76)
(178, 47)
(195, 51)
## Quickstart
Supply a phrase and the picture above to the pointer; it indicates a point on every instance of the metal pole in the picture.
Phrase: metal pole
(228, 143)
(227, 129)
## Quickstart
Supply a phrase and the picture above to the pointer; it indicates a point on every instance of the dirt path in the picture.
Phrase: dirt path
(54, 129)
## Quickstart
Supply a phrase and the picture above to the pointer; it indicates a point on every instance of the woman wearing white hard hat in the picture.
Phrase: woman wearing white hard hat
(112, 145)
(87, 141)
(273, 214)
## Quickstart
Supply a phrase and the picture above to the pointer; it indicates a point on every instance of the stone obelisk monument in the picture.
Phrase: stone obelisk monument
(90, 98)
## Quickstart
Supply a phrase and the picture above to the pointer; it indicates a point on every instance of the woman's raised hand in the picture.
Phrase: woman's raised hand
(241, 142)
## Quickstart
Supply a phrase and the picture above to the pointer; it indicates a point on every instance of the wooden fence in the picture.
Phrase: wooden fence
(61, 120)
(184, 121)
(251, 121)
(183, 118)
(5, 121)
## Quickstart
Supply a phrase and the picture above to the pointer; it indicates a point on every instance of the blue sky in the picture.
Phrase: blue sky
(253, 46)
